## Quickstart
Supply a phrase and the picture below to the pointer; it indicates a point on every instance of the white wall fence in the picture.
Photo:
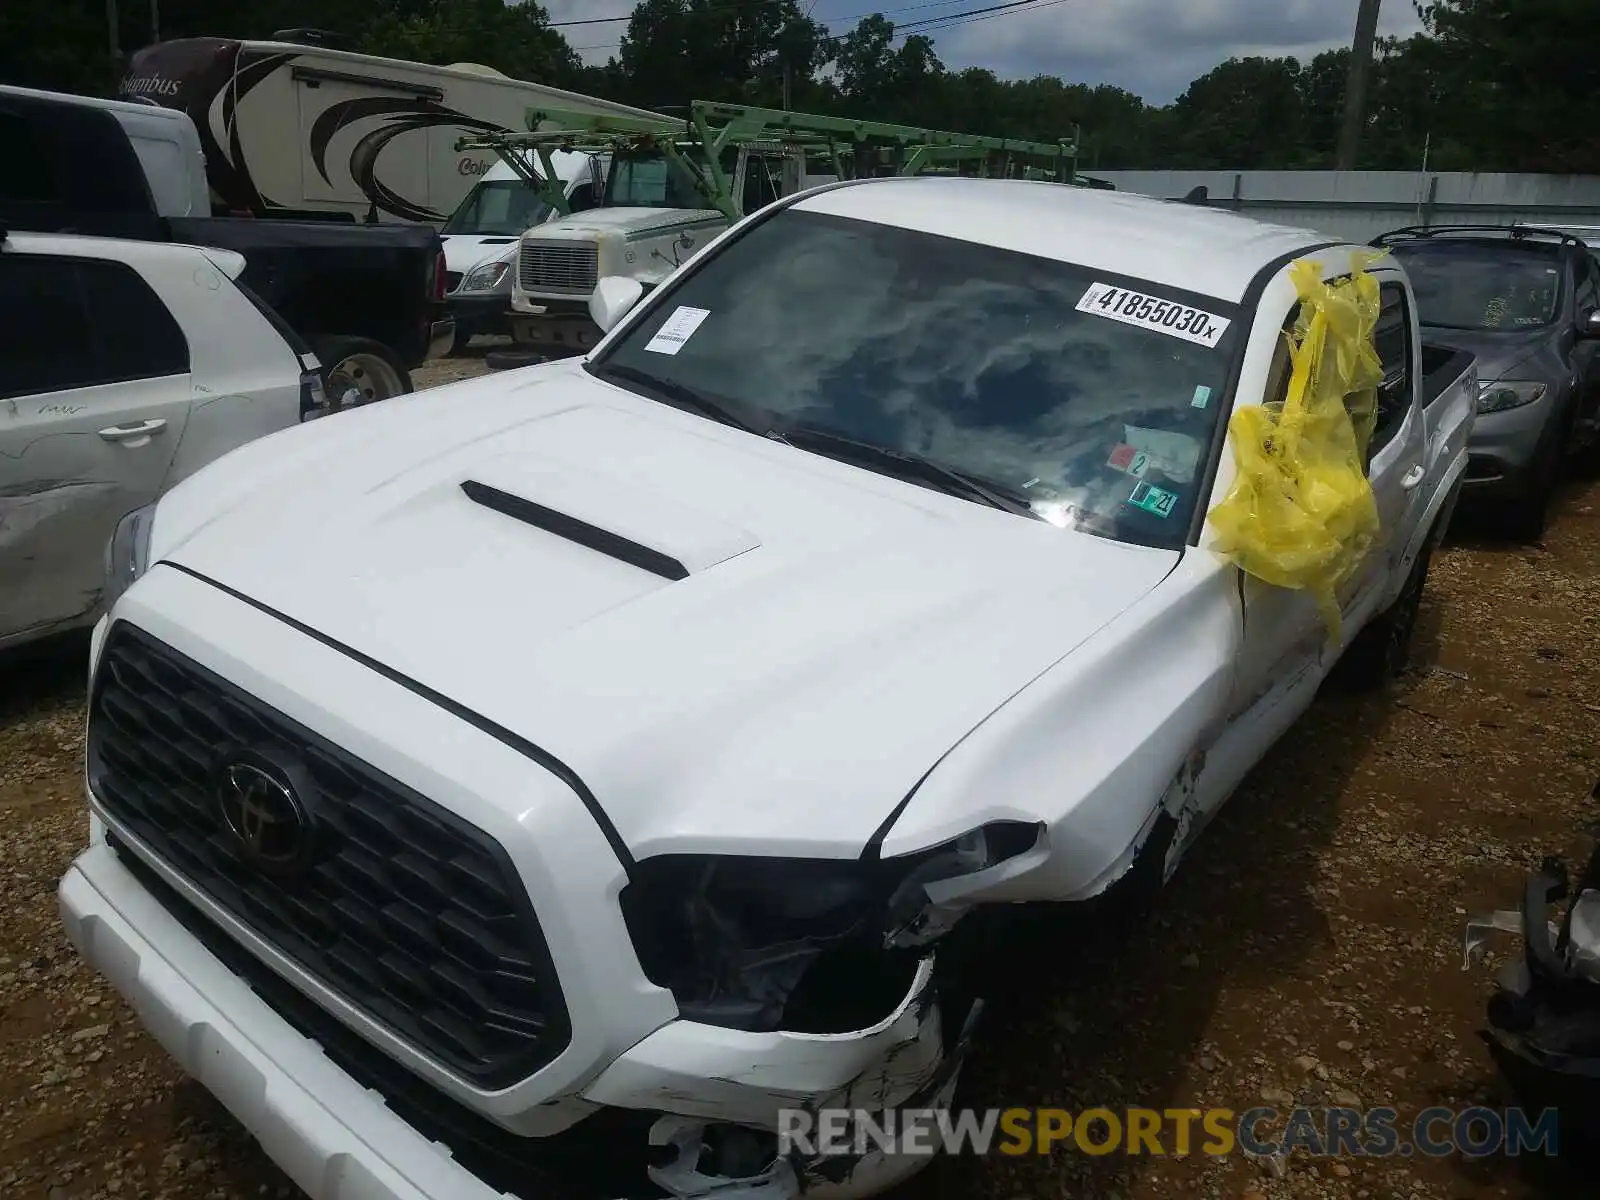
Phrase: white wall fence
(1359, 205)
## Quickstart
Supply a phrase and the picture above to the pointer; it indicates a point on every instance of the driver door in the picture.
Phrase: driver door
(1396, 454)
(1286, 651)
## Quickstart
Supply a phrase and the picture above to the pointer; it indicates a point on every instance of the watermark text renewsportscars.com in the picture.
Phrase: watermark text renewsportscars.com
(1319, 1132)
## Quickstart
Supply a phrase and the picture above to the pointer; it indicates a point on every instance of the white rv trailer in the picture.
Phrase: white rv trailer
(293, 128)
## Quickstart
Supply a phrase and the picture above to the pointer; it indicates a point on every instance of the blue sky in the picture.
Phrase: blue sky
(1151, 47)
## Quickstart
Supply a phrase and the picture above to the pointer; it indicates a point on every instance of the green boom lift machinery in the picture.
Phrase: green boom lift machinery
(706, 149)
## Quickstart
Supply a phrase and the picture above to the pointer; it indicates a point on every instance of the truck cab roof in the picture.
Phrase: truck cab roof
(164, 140)
(1202, 250)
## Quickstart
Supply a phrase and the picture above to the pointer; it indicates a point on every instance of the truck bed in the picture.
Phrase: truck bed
(1442, 366)
(319, 274)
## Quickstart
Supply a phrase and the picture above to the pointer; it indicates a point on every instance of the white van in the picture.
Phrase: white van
(165, 141)
(295, 128)
(482, 235)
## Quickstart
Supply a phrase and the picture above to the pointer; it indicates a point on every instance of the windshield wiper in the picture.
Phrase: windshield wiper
(905, 465)
(670, 391)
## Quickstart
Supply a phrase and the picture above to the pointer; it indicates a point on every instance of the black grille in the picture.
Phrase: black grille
(602, 1157)
(409, 913)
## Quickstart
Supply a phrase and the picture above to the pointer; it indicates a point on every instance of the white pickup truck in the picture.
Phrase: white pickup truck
(608, 745)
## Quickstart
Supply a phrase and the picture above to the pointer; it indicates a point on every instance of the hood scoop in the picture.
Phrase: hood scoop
(608, 515)
(574, 530)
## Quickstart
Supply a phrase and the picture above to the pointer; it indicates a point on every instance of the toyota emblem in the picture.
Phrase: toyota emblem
(270, 826)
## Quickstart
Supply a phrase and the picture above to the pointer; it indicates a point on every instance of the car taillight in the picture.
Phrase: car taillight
(439, 272)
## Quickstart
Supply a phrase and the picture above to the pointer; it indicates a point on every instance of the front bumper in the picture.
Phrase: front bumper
(480, 312)
(334, 1138)
(1504, 449)
(340, 1135)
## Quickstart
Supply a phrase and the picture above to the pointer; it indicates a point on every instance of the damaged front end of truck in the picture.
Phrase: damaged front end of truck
(809, 985)
(1543, 1027)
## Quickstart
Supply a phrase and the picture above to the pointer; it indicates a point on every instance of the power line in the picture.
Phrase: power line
(994, 9)
(924, 25)
(931, 28)
(731, 7)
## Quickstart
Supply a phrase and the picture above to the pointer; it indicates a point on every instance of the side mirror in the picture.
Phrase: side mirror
(1589, 325)
(613, 297)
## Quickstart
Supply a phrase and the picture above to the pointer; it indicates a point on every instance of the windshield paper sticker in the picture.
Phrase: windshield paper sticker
(1202, 396)
(1153, 500)
(677, 329)
(1129, 460)
(1151, 312)
(1175, 455)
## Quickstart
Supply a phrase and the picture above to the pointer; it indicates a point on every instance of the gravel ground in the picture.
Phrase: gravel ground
(468, 365)
(1310, 947)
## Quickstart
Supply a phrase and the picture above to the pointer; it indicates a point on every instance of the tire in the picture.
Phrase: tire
(359, 371)
(1382, 650)
(510, 360)
(458, 345)
(1528, 516)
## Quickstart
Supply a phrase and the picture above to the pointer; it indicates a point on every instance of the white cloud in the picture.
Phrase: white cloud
(1153, 48)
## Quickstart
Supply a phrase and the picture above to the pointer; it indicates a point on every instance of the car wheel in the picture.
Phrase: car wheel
(359, 371)
(1382, 650)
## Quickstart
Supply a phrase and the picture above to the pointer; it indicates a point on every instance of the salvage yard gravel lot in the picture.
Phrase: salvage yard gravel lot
(1309, 949)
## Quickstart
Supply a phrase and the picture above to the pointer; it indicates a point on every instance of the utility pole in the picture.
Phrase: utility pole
(788, 85)
(1355, 90)
(155, 21)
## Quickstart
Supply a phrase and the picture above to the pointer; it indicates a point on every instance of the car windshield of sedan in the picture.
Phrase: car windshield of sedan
(1483, 286)
(1081, 397)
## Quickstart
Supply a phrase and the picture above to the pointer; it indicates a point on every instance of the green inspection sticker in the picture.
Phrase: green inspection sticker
(1153, 500)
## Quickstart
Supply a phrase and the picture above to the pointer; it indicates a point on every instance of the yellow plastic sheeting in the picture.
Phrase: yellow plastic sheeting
(1300, 513)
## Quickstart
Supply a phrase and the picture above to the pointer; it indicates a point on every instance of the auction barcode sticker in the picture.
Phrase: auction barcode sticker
(1151, 312)
(677, 329)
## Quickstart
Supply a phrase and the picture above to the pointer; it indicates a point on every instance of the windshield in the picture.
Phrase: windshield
(1093, 397)
(498, 208)
(646, 181)
(1473, 285)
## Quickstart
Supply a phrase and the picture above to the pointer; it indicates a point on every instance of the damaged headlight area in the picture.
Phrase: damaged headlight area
(801, 944)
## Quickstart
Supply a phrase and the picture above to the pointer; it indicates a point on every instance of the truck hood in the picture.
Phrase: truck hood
(833, 634)
(1500, 355)
(598, 222)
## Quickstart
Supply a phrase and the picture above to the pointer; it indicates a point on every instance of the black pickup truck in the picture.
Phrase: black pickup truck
(368, 299)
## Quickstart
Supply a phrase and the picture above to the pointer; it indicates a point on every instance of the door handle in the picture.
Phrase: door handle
(1413, 477)
(139, 429)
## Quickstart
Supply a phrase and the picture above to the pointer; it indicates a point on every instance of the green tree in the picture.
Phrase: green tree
(1245, 114)
(1519, 73)
(513, 38)
(676, 51)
